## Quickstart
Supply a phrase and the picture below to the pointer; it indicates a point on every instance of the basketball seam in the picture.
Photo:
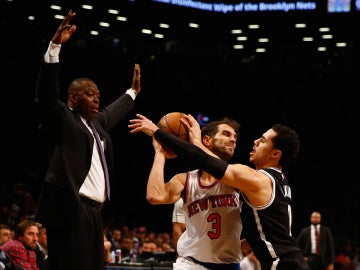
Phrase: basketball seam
(169, 126)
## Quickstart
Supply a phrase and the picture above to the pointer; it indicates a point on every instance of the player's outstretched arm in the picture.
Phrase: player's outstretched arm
(142, 124)
(198, 157)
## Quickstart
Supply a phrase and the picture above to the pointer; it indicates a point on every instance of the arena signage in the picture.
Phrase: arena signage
(223, 7)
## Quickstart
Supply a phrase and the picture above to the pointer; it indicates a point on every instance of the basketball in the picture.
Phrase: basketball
(171, 123)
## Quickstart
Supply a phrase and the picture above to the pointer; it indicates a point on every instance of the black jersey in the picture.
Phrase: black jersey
(267, 228)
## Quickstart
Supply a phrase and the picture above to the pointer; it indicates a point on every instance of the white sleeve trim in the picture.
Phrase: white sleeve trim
(52, 53)
(131, 92)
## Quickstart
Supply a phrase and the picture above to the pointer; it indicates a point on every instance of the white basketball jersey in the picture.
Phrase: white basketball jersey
(213, 224)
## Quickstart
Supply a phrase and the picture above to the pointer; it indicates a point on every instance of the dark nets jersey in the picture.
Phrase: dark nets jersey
(267, 228)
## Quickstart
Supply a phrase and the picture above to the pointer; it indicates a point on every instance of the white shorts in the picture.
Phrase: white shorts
(183, 264)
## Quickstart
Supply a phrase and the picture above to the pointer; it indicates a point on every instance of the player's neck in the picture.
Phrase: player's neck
(207, 179)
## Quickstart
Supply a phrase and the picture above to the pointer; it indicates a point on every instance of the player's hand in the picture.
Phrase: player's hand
(65, 29)
(142, 124)
(193, 128)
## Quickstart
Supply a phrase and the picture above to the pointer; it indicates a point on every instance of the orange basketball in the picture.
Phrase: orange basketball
(171, 123)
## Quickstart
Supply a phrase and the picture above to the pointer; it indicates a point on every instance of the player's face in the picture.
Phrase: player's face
(263, 150)
(224, 142)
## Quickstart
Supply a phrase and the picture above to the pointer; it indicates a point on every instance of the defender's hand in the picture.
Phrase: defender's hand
(65, 29)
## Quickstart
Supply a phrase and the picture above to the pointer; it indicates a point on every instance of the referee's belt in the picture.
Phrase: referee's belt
(98, 205)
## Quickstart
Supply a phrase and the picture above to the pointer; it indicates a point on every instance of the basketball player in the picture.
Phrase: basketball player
(266, 195)
(178, 222)
(212, 217)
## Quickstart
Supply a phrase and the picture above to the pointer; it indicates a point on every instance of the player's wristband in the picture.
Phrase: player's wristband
(194, 154)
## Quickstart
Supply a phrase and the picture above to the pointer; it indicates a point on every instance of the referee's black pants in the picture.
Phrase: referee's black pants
(79, 246)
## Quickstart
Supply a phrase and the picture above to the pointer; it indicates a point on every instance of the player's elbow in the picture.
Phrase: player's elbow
(152, 199)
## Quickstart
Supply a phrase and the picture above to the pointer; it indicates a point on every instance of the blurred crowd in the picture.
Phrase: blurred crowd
(18, 205)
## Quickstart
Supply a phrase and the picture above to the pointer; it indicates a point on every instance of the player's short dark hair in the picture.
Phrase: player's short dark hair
(211, 128)
(287, 141)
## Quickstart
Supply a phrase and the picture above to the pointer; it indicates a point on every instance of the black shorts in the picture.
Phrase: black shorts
(293, 261)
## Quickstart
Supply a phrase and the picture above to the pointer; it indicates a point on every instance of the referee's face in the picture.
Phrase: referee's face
(315, 218)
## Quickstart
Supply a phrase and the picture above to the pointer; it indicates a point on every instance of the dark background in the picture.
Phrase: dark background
(196, 71)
